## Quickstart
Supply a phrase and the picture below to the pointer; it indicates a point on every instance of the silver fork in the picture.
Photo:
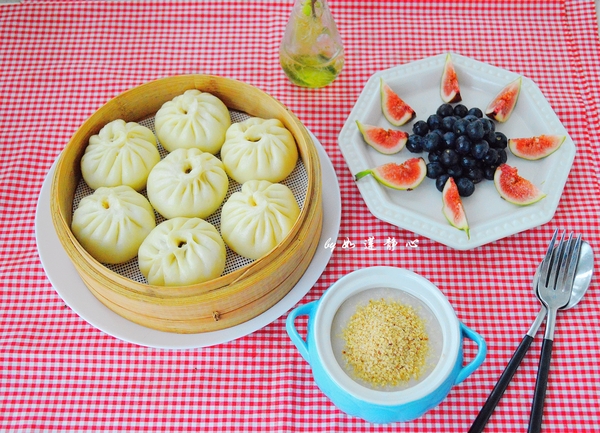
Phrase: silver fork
(555, 283)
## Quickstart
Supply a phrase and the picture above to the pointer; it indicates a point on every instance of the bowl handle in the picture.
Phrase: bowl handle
(290, 327)
(478, 360)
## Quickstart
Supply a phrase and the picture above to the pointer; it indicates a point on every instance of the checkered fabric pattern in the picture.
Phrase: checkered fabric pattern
(60, 61)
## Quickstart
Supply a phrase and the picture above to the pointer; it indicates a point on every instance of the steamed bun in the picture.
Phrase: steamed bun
(112, 223)
(259, 149)
(187, 183)
(193, 120)
(256, 219)
(120, 154)
(182, 251)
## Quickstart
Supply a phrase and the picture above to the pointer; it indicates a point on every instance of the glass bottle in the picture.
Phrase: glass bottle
(311, 51)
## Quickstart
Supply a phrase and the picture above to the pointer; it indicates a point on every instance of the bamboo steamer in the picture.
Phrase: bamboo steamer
(231, 299)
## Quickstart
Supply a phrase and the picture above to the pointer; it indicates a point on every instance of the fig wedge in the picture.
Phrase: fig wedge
(405, 176)
(503, 104)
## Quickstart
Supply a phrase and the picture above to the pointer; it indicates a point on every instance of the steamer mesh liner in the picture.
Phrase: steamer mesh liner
(361, 299)
(297, 182)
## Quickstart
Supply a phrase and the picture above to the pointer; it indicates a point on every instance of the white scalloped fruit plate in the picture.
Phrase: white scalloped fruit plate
(490, 217)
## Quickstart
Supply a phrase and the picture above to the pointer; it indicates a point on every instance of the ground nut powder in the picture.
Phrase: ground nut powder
(386, 343)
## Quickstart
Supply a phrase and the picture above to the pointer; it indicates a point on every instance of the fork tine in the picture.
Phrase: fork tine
(545, 265)
(552, 260)
(568, 276)
(561, 258)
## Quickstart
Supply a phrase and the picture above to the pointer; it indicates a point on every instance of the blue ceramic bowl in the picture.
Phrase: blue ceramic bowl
(323, 345)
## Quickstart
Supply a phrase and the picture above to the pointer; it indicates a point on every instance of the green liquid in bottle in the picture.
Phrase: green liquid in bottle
(311, 71)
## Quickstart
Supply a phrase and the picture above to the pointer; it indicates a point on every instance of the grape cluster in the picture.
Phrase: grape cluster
(460, 143)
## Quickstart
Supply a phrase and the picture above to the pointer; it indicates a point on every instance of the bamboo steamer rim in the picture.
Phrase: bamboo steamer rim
(140, 103)
(211, 316)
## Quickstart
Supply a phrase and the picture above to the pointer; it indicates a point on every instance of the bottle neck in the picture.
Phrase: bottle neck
(311, 8)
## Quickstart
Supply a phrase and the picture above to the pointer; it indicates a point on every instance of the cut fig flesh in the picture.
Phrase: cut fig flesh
(405, 176)
(534, 148)
(395, 110)
(514, 188)
(386, 141)
(449, 89)
(502, 106)
(453, 208)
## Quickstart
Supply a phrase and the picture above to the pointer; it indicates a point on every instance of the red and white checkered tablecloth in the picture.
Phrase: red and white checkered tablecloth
(60, 61)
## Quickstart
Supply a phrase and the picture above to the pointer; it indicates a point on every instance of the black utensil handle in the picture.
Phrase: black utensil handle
(496, 394)
(537, 407)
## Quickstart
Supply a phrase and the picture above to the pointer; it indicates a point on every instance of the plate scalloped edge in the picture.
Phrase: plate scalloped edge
(420, 210)
(69, 286)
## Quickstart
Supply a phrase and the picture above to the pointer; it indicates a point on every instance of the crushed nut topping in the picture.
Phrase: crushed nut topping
(386, 343)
